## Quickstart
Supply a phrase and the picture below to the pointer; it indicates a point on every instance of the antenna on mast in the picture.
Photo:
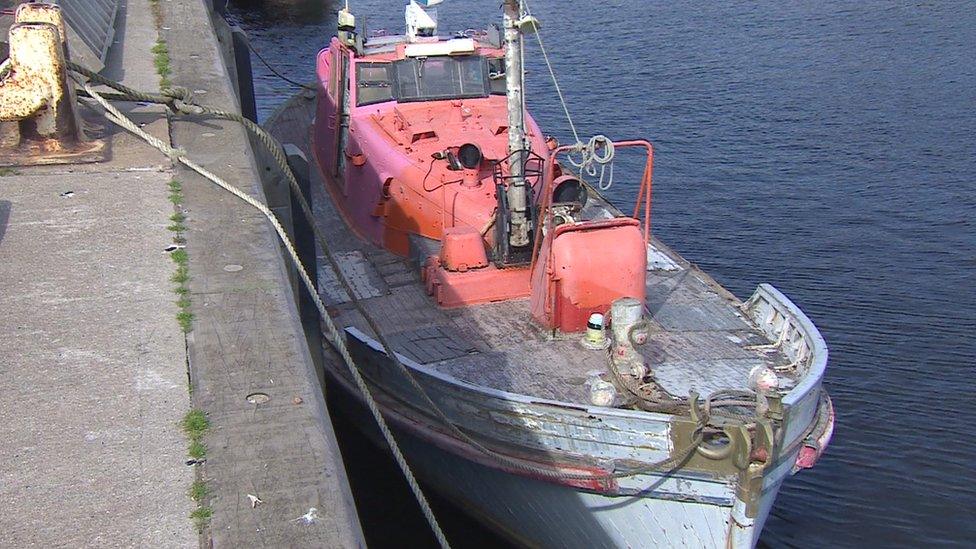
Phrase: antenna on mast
(347, 27)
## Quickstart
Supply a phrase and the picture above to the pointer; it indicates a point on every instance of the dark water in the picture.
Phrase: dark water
(828, 148)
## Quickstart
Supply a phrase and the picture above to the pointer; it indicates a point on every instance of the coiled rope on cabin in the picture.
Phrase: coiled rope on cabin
(178, 155)
(591, 157)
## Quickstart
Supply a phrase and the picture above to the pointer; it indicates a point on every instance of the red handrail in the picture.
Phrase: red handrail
(644, 193)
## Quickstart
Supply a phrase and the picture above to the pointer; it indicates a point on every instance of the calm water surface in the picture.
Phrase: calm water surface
(828, 148)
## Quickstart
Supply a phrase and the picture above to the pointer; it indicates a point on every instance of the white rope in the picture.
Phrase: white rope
(552, 73)
(590, 158)
(337, 341)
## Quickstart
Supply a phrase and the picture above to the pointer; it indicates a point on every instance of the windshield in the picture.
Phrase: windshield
(421, 79)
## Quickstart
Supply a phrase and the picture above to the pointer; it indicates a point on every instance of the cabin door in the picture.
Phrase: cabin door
(333, 112)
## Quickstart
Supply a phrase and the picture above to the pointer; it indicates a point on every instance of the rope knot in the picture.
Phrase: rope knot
(178, 93)
(180, 100)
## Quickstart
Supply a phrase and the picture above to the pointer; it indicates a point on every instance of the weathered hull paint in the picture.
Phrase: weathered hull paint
(537, 513)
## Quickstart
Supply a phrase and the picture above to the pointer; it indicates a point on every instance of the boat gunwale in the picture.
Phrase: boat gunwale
(810, 379)
(817, 366)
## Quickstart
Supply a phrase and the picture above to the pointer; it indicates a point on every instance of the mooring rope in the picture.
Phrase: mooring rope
(115, 116)
(273, 70)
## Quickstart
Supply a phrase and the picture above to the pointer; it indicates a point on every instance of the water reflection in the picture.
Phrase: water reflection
(285, 11)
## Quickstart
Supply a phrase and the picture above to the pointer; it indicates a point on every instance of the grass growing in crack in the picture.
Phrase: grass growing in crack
(4, 172)
(199, 491)
(176, 197)
(201, 517)
(182, 259)
(181, 276)
(185, 320)
(195, 424)
(175, 192)
(197, 450)
(161, 60)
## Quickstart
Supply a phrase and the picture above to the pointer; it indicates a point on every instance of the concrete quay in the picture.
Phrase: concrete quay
(92, 364)
(96, 372)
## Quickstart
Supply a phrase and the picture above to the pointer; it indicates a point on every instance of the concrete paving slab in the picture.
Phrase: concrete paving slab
(92, 364)
(92, 361)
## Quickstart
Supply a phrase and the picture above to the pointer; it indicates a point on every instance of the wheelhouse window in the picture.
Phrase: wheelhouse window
(373, 83)
(432, 78)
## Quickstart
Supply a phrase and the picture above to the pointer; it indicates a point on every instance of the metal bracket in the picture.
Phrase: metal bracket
(775, 410)
(749, 489)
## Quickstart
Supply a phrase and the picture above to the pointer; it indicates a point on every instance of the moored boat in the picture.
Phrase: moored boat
(546, 361)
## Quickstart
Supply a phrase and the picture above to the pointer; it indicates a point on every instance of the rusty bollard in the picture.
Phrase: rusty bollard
(36, 12)
(40, 124)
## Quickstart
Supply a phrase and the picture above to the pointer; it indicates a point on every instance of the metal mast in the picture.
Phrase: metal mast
(517, 197)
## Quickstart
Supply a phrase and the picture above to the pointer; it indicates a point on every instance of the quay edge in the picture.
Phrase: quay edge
(248, 336)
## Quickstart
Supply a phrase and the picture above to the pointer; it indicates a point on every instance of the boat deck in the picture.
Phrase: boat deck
(699, 339)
